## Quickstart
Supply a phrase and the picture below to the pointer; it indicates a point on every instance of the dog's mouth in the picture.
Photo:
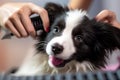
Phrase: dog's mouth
(57, 62)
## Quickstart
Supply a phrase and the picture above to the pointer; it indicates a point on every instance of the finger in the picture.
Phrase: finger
(11, 27)
(44, 16)
(28, 25)
(18, 25)
(106, 14)
(101, 16)
(105, 21)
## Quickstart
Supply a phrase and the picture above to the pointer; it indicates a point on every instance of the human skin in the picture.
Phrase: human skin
(15, 16)
(108, 16)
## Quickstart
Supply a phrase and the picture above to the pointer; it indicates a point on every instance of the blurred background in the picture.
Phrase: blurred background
(13, 51)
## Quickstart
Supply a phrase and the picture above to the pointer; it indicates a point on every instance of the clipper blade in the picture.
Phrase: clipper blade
(7, 36)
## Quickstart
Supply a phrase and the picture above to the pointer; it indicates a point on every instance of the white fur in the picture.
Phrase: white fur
(72, 19)
(39, 63)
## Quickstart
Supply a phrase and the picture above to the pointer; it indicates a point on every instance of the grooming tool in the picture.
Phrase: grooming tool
(37, 23)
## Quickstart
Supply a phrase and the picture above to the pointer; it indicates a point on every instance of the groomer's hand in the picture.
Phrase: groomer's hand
(108, 16)
(15, 17)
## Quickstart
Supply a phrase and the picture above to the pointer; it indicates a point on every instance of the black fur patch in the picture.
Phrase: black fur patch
(54, 11)
(96, 38)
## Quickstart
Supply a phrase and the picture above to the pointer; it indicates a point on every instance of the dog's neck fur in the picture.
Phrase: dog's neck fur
(38, 65)
(100, 38)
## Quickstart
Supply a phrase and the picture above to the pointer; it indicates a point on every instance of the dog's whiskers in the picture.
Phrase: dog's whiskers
(40, 46)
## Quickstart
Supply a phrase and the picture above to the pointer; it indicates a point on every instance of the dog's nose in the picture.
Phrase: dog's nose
(56, 48)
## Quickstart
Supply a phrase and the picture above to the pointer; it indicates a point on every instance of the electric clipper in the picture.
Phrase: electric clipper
(37, 23)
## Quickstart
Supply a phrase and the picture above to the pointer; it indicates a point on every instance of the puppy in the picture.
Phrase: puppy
(74, 43)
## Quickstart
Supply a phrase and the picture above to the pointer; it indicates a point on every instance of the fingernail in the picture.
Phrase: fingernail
(32, 34)
(47, 29)
(18, 36)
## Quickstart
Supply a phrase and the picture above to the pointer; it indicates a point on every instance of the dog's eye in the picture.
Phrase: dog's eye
(78, 38)
(56, 29)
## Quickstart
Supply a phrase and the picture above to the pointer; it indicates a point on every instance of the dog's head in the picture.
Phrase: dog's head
(73, 36)
(65, 38)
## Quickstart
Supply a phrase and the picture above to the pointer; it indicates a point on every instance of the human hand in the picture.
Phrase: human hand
(79, 4)
(108, 16)
(15, 17)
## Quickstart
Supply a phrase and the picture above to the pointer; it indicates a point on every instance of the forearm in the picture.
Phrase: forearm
(79, 4)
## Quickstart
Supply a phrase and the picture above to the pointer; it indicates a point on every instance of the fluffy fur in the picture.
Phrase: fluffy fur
(82, 43)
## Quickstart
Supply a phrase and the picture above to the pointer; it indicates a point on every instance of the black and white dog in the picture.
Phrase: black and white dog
(74, 43)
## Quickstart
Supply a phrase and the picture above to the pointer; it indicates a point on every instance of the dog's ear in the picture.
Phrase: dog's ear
(107, 35)
(54, 10)
(105, 38)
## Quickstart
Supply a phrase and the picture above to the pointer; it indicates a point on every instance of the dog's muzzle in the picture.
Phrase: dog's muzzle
(57, 48)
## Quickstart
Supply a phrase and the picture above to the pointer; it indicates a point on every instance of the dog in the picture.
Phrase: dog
(74, 43)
